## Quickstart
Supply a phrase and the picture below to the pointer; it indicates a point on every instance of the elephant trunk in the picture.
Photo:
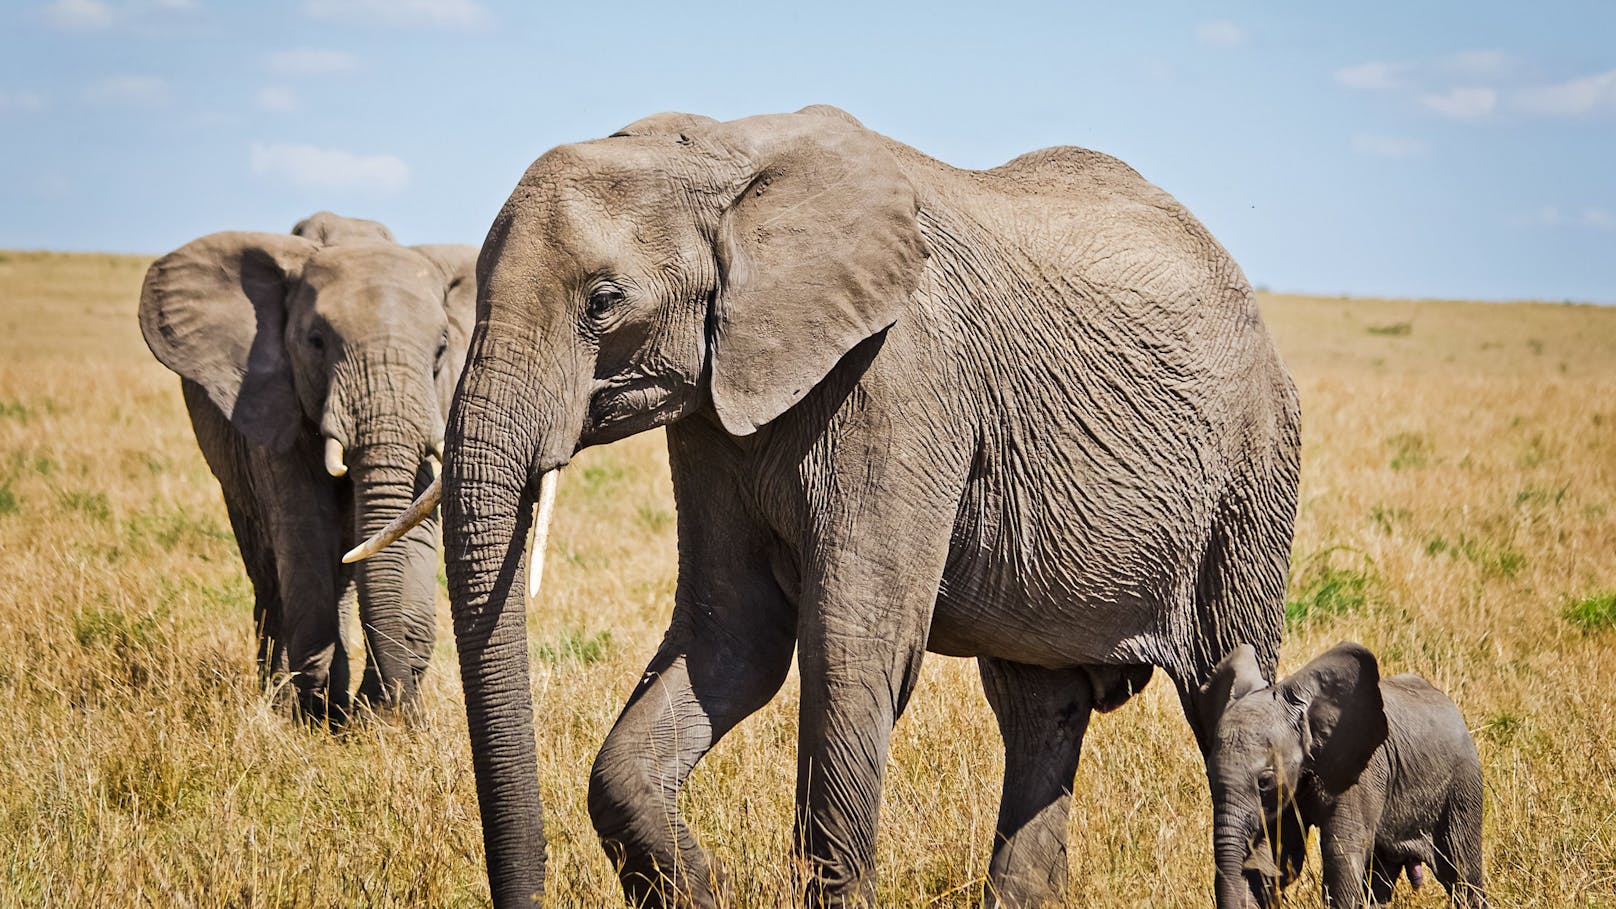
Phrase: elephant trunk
(494, 433)
(397, 588)
(1231, 845)
(381, 419)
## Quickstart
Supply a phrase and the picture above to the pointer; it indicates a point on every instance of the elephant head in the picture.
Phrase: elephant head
(681, 268)
(1317, 728)
(359, 342)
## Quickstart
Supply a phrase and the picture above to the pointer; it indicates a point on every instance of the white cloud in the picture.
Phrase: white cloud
(1598, 219)
(1466, 103)
(1378, 146)
(277, 99)
(1220, 34)
(21, 100)
(128, 91)
(175, 4)
(443, 13)
(328, 168)
(1479, 64)
(79, 14)
(1547, 216)
(308, 61)
(1578, 97)
(1591, 217)
(1374, 76)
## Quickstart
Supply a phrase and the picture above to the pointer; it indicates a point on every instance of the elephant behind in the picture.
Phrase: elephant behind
(317, 369)
(1029, 414)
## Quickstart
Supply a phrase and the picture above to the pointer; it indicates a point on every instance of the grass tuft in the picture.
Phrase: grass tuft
(1322, 590)
(575, 646)
(1394, 329)
(1595, 612)
(1409, 450)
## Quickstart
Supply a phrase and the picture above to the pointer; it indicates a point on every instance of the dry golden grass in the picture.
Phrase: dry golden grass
(1459, 494)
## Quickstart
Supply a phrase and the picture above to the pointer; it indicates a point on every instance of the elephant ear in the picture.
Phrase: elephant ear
(1235, 676)
(330, 229)
(819, 251)
(1343, 715)
(214, 311)
(457, 263)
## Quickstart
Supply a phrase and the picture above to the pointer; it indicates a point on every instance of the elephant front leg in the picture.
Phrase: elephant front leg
(1346, 844)
(1042, 714)
(304, 529)
(723, 659)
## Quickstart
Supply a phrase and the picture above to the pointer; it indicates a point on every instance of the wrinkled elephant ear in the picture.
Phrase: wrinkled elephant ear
(1235, 676)
(331, 229)
(1344, 717)
(457, 263)
(820, 250)
(214, 311)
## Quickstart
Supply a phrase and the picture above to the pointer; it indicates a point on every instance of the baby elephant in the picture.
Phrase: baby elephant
(1384, 768)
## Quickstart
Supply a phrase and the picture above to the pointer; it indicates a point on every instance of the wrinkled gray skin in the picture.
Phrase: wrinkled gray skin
(1386, 769)
(282, 342)
(1029, 414)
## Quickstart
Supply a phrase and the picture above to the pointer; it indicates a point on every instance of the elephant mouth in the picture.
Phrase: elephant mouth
(619, 408)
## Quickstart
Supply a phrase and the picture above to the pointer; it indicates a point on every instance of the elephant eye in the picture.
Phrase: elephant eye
(602, 299)
(315, 341)
(1267, 781)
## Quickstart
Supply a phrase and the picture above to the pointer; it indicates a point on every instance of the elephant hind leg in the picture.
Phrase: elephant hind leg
(1042, 714)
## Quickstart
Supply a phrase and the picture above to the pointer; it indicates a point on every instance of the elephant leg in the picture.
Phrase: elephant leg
(1042, 716)
(725, 654)
(304, 530)
(1345, 846)
(861, 635)
(1458, 848)
(226, 454)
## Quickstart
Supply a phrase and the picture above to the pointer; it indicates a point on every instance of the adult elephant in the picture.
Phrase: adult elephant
(1029, 414)
(318, 369)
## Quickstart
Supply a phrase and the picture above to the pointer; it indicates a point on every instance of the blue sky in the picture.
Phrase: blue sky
(1412, 149)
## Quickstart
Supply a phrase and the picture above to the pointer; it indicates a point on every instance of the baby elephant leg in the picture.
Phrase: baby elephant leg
(1458, 847)
(1042, 716)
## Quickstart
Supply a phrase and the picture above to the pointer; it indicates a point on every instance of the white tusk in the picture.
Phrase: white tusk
(539, 534)
(437, 449)
(387, 536)
(333, 458)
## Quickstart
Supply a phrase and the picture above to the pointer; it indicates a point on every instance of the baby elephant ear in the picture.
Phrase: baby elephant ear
(1235, 676)
(820, 251)
(1344, 717)
(214, 311)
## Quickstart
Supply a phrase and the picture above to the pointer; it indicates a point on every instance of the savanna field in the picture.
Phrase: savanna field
(1458, 515)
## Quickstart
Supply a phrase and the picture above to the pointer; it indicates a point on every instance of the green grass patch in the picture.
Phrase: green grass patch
(164, 530)
(1541, 496)
(8, 500)
(1502, 727)
(575, 646)
(1499, 561)
(113, 630)
(653, 518)
(14, 410)
(1386, 516)
(1321, 589)
(93, 505)
(1394, 329)
(1592, 613)
(1409, 450)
